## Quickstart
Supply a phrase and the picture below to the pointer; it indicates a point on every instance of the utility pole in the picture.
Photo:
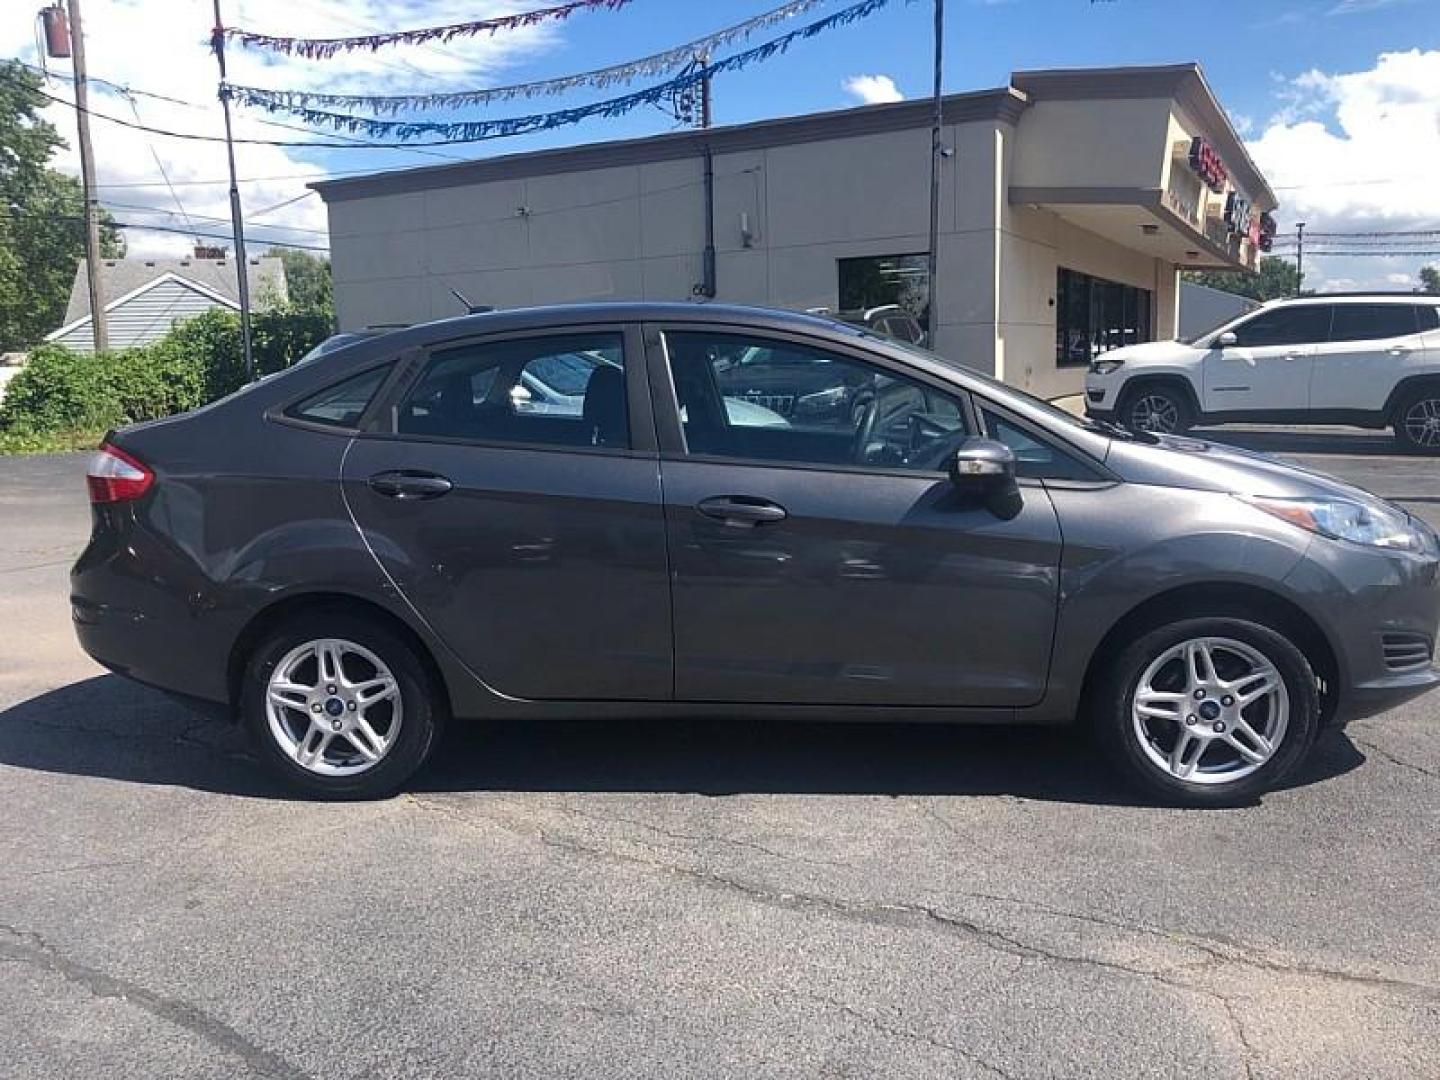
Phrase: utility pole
(937, 119)
(87, 179)
(705, 92)
(1299, 257)
(237, 219)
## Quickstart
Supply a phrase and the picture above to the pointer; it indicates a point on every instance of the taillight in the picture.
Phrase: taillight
(114, 476)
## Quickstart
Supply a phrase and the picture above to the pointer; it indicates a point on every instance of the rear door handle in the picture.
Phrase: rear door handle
(409, 485)
(741, 511)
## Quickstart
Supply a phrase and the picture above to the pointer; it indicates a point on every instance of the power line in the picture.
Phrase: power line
(76, 218)
(110, 204)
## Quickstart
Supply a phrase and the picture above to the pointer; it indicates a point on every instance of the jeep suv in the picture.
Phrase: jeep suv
(1370, 361)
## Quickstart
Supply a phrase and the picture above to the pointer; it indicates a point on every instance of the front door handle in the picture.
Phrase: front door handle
(409, 485)
(741, 511)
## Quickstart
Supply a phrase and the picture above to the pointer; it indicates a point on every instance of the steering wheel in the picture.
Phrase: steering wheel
(866, 430)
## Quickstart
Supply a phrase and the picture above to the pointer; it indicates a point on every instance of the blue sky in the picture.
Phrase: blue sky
(1340, 99)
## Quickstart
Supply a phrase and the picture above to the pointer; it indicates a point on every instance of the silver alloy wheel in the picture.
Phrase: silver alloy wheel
(1422, 423)
(1155, 413)
(334, 707)
(1210, 710)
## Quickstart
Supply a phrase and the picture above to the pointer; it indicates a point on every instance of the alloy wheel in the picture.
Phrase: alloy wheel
(1155, 413)
(1422, 423)
(1210, 710)
(333, 707)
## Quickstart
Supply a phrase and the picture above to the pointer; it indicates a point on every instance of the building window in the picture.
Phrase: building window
(1093, 316)
(877, 280)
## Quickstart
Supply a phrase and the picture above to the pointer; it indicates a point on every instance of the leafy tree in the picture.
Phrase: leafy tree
(307, 280)
(42, 231)
(1430, 279)
(1277, 278)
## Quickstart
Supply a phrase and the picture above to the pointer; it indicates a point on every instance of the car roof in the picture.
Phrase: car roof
(1356, 298)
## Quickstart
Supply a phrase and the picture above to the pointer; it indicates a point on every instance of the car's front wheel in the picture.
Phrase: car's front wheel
(1417, 421)
(339, 706)
(1158, 408)
(1208, 711)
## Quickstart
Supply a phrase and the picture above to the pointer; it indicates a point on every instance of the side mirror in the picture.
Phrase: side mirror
(982, 465)
(1227, 340)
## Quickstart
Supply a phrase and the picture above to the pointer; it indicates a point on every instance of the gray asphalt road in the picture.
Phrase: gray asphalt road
(727, 899)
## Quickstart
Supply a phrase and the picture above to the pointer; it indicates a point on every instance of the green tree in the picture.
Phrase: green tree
(42, 233)
(1430, 279)
(307, 280)
(1277, 278)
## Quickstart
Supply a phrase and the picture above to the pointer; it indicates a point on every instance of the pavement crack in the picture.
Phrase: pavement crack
(1394, 759)
(32, 950)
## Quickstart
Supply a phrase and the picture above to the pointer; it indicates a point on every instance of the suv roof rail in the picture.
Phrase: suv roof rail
(1408, 294)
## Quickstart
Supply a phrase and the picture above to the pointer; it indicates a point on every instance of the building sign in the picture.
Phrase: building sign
(1205, 161)
(1238, 214)
(1267, 233)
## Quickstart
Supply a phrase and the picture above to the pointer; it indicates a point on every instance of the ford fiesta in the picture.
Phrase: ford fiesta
(722, 510)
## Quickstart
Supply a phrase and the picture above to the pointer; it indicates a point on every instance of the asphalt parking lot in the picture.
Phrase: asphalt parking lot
(692, 899)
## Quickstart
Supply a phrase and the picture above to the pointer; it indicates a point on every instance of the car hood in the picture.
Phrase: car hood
(1180, 461)
(1151, 352)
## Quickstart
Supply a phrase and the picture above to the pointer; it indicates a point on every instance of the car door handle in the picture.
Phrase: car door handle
(409, 486)
(1401, 350)
(741, 511)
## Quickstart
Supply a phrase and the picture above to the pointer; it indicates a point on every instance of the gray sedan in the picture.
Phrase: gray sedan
(389, 537)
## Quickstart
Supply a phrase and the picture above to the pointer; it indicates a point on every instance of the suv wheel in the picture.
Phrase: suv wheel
(1208, 712)
(1417, 421)
(339, 706)
(1158, 409)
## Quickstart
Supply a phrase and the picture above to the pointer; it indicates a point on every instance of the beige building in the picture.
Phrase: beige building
(1069, 202)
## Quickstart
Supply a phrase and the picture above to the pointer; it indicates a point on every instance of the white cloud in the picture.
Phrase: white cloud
(873, 89)
(1357, 151)
(132, 43)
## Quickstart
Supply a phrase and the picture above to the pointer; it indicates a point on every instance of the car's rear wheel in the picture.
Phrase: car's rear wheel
(1158, 408)
(339, 706)
(1417, 421)
(1208, 711)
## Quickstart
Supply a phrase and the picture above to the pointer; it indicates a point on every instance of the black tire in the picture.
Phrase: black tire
(1412, 434)
(423, 717)
(1143, 398)
(1112, 702)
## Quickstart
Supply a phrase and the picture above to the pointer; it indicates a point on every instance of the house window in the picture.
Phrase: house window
(878, 280)
(1093, 316)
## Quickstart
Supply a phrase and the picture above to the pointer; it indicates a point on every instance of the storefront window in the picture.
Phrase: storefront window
(1093, 316)
(887, 279)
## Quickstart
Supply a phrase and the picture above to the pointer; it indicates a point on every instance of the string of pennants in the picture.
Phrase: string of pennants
(304, 105)
(661, 63)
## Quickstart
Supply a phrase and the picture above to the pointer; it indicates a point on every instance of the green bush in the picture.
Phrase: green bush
(200, 360)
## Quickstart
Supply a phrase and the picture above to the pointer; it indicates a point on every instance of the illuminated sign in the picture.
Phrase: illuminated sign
(1267, 232)
(1205, 160)
(1239, 214)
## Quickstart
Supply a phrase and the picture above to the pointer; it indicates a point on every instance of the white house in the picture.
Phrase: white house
(144, 298)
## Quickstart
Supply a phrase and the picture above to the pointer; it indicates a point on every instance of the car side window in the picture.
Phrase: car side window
(1428, 317)
(1303, 324)
(342, 404)
(1373, 322)
(759, 399)
(565, 390)
(1035, 458)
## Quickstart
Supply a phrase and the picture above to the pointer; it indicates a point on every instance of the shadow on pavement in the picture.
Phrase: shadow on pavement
(109, 727)
(1275, 441)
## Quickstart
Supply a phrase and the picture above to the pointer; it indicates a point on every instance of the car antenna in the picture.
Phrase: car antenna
(471, 309)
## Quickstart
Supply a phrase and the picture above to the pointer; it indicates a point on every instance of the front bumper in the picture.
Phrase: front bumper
(1368, 601)
(1100, 397)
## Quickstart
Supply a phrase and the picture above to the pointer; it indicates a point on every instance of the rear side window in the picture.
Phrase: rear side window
(564, 390)
(1304, 324)
(1373, 322)
(1429, 317)
(342, 404)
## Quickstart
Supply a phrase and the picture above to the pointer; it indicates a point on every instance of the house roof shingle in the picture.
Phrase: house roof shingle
(119, 277)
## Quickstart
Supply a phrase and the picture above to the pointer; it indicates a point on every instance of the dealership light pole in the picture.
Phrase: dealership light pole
(933, 261)
(237, 218)
(1299, 257)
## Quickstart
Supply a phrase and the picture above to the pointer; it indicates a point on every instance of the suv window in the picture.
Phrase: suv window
(342, 404)
(567, 390)
(1372, 322)
(752, 398)
(1303, 324)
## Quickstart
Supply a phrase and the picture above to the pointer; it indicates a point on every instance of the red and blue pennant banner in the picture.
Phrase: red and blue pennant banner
(323, 48)
(661, 63)
(465, 131)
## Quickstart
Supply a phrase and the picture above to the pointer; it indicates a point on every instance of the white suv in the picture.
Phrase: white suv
(1366, 360)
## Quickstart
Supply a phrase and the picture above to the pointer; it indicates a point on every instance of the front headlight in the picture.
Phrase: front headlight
(1370, 524)
(1104, 366)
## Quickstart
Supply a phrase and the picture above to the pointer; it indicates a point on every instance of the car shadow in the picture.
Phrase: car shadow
(1355, 441)
(112, 728)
